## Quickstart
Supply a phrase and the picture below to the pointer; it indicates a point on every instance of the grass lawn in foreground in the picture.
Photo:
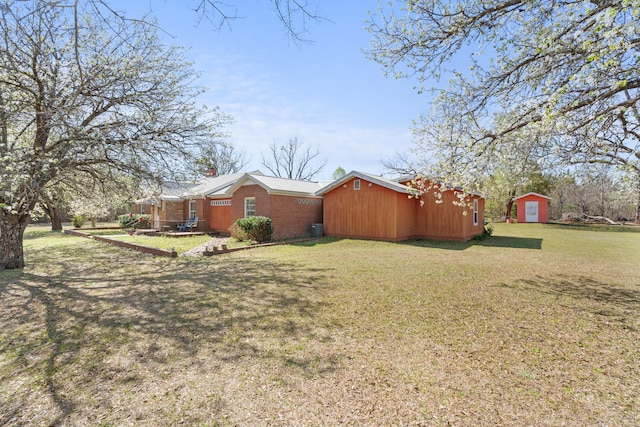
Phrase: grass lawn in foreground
(538, 325)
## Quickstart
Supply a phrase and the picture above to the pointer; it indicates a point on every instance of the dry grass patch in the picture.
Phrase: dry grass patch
(537, 326)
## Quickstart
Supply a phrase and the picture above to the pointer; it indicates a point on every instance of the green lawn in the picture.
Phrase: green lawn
(179, 244)
(538, 325)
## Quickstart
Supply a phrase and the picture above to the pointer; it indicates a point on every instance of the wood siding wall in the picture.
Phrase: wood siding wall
(369, 213)
(219, 218)
(447, 220)
(376, 212)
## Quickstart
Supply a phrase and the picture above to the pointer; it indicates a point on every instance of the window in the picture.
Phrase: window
(192, 208)
(475, 211)
(356, 184)
(249, 206)
(221, 203)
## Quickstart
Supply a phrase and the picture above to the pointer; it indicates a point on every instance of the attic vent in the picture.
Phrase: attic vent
(315, 202)
(356, 184)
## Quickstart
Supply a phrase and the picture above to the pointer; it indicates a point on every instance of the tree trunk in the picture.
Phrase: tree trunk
(56, 217)
(12, 226)
(637, 218)
(507, 215)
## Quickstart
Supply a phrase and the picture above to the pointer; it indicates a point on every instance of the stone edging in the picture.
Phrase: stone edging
(127, 245)
(225, 250)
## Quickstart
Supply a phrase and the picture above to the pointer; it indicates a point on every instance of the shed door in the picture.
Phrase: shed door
(531, 211)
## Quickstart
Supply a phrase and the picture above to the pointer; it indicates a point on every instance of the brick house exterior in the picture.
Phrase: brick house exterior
(357, 205)
(219, 200)
(292, 205)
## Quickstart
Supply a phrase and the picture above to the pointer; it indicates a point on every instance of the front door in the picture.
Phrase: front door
(531, 210)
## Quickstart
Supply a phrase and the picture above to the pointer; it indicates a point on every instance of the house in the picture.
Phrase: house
(292, 205)
(219, 200)
(361, 205)
(532, 207)
(167, 209)
(358, 205)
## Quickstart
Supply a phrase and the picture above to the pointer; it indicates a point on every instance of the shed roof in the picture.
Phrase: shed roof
(376, 179)
(532, 194)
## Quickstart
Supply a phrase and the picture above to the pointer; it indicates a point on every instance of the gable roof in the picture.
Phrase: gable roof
(376, 179)
(171, 191)
(532, 194)
(275, 185)
(211, 184)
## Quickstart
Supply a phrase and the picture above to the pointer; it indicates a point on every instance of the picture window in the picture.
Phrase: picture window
(249, 206)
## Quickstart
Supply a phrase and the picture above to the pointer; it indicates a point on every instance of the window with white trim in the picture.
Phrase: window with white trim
(221, 203)
(192, 208)
(356, 184)
(475, 211)
(249, 206)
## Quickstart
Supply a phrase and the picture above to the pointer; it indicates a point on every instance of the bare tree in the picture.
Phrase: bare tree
(400, 164)
(293, 160)
(294, 15)
(224, 158)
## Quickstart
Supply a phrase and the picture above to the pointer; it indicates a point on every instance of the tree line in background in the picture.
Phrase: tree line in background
(591, 191)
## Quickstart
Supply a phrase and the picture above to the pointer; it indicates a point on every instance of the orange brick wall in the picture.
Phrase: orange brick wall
(289, 218)
(172, 214)
(263, 204)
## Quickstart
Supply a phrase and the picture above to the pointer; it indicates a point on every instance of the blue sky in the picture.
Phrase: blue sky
(327, 94)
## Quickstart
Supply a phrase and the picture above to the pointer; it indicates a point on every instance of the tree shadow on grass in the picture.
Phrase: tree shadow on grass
(492, 241)
(587, 294)
(68, 328)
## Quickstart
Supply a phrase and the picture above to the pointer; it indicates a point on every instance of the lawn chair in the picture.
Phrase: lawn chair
(189, 224)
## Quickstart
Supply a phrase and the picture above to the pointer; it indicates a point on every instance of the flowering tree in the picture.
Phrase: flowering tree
(566, 73)
(98, 199)
(87, 95)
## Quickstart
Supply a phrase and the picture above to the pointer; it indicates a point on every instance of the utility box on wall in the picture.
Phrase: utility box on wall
(533, 207)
